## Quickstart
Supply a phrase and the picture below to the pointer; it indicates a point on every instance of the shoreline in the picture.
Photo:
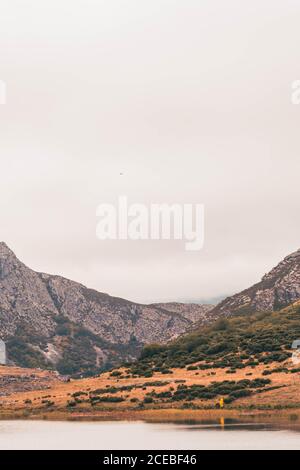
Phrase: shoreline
(178, 416)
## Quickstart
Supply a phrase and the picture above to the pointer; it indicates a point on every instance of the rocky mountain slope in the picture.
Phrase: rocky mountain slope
(193, 312)
(49, 321)
(277, 289)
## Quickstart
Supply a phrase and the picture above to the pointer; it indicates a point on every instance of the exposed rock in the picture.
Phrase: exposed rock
(23, 297)
(277, 289)
(46, 319)
(192, 312)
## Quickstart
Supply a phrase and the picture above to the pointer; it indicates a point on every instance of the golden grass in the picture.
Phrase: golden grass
(34, 403)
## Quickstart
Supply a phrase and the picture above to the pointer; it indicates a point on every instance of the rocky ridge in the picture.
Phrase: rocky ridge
(50, 320)
(277, 289)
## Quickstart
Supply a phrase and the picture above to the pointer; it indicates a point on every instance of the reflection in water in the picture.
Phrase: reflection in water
(224, 434)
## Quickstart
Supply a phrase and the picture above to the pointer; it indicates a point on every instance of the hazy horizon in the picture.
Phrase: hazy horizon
(165, 102)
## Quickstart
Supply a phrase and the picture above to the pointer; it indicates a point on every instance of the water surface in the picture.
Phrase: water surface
(140, 435)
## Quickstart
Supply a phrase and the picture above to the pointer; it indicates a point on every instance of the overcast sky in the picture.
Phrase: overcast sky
(189, 99)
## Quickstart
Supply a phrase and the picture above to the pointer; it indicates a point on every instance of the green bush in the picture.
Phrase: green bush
(148, 400)
(234, 343)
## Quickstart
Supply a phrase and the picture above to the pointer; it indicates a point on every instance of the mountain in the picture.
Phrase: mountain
(243, 351)
(51, 322)
(254, 327)
(248, 360)
(244, 360)
(192, 312)
(234, 342)
(277, 289)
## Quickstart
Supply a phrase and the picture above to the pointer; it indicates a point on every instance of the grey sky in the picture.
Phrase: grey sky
(189, 99)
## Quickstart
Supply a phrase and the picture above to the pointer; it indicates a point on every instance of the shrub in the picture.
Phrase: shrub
(115, 373)
(148, 400)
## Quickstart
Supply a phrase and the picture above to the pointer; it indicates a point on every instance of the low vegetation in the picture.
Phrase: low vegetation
(235, 343)
(229, 388)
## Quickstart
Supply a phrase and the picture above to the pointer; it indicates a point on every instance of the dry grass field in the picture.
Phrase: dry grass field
(52, 398)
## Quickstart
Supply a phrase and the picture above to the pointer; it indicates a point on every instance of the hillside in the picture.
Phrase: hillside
(18, 380)
(243, 356)
(253, 339)
(245, 360)
(51, 322)
(277, 289)
(192, 312)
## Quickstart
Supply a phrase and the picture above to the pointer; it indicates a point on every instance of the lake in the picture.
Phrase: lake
(140, 435)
